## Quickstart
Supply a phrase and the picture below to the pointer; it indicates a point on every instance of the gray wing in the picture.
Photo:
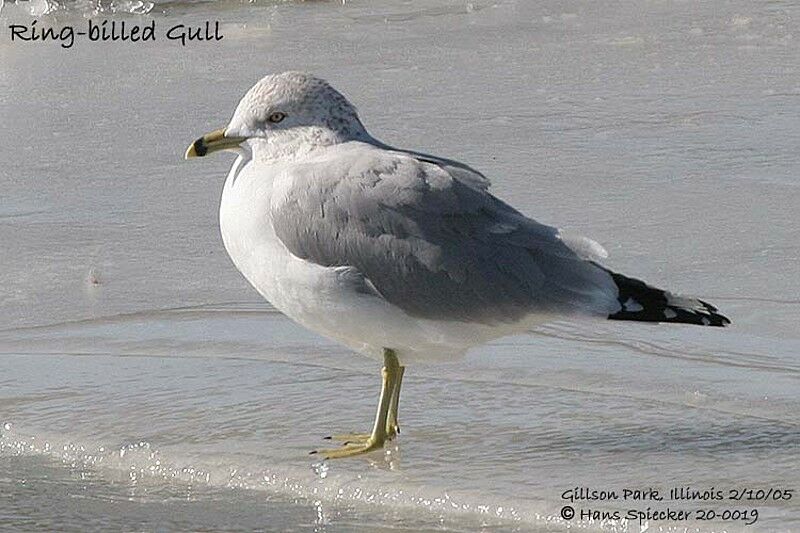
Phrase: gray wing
(458, 170)
(432, 242)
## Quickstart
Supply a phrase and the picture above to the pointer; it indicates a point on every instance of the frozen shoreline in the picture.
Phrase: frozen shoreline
(668, 134)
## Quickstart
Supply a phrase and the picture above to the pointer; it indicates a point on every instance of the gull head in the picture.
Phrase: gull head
(284, 110)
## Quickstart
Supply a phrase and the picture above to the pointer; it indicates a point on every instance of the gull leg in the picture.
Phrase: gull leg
(392, 425)
(378, 437)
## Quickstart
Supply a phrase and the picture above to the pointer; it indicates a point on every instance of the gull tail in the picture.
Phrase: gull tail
(642, 302)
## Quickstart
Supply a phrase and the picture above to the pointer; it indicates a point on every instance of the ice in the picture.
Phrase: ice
(86, 8)
(668, 133)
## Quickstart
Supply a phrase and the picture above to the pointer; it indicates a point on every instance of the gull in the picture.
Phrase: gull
(399, 255)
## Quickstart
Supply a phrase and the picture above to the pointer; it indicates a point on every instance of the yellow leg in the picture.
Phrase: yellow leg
(392, 425)
(375, 440)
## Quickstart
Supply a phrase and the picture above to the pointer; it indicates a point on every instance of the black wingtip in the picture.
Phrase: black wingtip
(716, 319)
(645, 303)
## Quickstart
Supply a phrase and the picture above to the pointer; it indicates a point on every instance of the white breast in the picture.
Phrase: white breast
(246, 227)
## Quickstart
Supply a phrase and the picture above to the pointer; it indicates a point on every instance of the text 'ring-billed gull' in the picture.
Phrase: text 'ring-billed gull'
(399, 255)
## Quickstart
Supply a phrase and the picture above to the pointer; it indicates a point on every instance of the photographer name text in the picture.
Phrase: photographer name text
(115, 31)
(681, 504)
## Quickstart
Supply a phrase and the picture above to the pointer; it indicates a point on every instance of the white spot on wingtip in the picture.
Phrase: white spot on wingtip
(632, 305)
(670, 314)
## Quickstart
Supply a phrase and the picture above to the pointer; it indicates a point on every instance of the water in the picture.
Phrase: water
(144, 385)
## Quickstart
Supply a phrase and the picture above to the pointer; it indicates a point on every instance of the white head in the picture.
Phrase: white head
(286, 109)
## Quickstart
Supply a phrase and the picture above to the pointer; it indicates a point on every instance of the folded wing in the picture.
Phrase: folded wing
(427, 236)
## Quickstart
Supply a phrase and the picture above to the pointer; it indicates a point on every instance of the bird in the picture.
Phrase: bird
(401, 256)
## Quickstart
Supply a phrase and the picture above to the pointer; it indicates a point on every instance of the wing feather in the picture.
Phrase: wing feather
(432, 240)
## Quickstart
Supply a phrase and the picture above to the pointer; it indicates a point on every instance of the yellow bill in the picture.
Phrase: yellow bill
(212, 142)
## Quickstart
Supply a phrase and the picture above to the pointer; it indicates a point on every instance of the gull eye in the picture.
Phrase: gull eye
(276, 117)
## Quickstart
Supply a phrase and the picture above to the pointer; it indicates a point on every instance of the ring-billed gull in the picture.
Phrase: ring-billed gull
(399, 255)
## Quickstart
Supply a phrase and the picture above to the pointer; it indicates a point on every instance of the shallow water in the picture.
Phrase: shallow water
(144, 385)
